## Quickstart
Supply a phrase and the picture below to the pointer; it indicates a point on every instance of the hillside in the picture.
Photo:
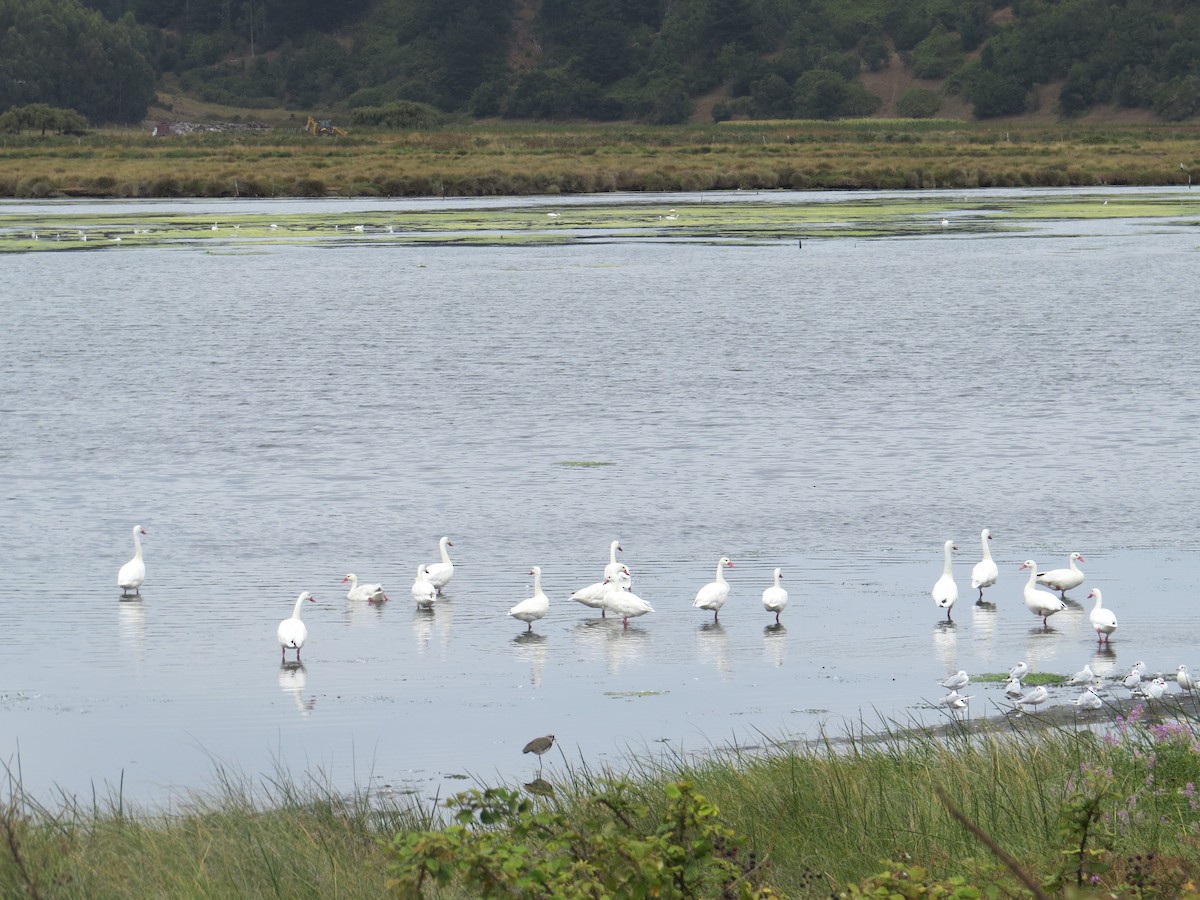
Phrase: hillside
(649, 61)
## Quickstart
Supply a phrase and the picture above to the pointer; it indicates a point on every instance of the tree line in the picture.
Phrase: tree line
(644, 60)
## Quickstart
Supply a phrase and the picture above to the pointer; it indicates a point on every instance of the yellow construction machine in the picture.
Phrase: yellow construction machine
(323, 127)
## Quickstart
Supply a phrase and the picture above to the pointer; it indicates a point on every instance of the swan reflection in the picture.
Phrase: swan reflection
(774, 645)
(1104, 661)
(422, 625)
(945, 644)
(131, 624)
(713, 643)
(362, 613)
(532, 647)
(293, 676)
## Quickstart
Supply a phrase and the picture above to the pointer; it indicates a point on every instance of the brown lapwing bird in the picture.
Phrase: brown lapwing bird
(539, 745)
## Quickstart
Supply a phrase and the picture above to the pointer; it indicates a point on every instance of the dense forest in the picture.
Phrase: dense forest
(643, 60)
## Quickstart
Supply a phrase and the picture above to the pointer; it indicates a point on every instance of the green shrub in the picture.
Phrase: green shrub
(919, 103)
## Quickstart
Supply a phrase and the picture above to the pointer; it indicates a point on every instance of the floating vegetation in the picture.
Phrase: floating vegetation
(631, 695)
(1031, 679)
(584, 463)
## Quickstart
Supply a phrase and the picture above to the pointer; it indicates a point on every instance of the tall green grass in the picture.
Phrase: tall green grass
(818, 816)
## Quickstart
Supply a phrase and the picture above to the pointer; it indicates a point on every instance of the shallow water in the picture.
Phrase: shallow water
(277, 420)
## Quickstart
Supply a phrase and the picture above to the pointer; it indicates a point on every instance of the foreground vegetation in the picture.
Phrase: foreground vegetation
(1014, 808)
(486, 160)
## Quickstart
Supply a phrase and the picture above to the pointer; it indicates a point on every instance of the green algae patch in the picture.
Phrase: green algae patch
(1031, 679)
(583, 463)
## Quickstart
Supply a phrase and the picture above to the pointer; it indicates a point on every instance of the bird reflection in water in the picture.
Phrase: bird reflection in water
(713, 643)
(422, 623)
(293, 676)
(131, 622)
(620, 645)
(945, 644)
(1104, 661)
(774, 645)
(532, 647)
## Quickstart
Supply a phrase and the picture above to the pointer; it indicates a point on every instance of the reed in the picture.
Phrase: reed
(486, 159)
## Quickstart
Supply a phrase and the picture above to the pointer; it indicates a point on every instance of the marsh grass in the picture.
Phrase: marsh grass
(1110, 802)
(499, 159)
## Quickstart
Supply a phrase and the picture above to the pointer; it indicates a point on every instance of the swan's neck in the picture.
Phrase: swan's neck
(1074, 568)
(137, 546)
(299, 606)
(612, 553)
(720, 574)
(353, 582)
(445, 555)
(947, 569)
(1032, 583)
(1098, 603)
(537, 583)
(987, 552)
(778, 576)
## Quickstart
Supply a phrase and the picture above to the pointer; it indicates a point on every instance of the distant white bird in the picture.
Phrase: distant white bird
(945, 222)
(291, 632)
(1103, 620)
(960, 703)
(133, 573)
(1184, 679)
(1140, 668)
(535, 607)
(1089, 699)
(1062, 580)
(1083, 676)
(985, 573)
(714, 594)
(440, 573)
(775, 597)
(1040, 603)
(1018, 671)
(1013, 688)
(360, 591)
(423, 590)
(360, 228)
(214, 227)
(1035, 697)
(1132, 681)
(959, 679)
(551, 215)
(945, 591)
(273, 226)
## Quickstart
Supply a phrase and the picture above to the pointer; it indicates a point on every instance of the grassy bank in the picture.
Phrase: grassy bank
(481, 160)
(1071, 808)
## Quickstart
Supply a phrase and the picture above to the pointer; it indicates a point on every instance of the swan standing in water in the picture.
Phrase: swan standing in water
(714, 594)
(440, 573)
(594, 594)
(623, 602)
(1104, 621)
(1062, 580)
(614, 568)
(985, 573)
(775, 597)
(362, 591)
(535, 607)
(291, 632)
(1040, 603)
(423, 590)
(133, 573)
(945, 591)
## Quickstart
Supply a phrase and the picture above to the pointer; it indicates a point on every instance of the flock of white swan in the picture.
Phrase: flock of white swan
(1044, 604)
(613, 594)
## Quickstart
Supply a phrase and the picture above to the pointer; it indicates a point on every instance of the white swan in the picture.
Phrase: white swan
(423, 590)
(614, 568)
(1040, 603)
(362, 591)
(593, 595)
(714, 594)
(985, 573)
(945, 591)
(291, 632)
(440, 573)
(1103, 620)
(775, 597)
(625, 603)
(1062, 580)
(133, 573)
(535, 607)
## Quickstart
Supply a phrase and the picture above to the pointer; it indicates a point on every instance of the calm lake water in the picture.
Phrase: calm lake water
(278, 418)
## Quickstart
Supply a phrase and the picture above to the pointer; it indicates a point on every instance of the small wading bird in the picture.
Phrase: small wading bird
(539, 745)
(133, 573)
(945, 591)
(291, 632)
(985, 573)
(714, 594)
